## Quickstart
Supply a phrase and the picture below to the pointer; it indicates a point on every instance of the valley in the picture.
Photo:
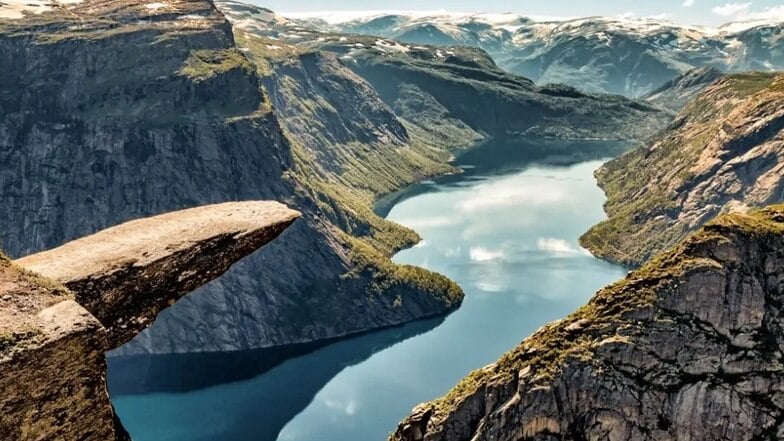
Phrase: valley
(510, 245)
(223, 222)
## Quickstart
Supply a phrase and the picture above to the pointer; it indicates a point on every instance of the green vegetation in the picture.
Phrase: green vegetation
(387, 275)
(203, 64)
(749, 83)
(763, 222)
(646, 187)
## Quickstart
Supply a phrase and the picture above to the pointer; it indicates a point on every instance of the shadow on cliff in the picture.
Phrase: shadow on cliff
(238, 396)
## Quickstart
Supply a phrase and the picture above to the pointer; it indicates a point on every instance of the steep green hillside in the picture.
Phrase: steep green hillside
(448, 92)
(724, 152)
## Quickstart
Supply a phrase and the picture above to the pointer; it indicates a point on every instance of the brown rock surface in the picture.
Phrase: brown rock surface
(52, 347)
(723, 153)
(126, 274)
(689, 347)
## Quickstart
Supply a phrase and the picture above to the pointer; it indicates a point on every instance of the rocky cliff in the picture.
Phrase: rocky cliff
(689, 347)
(111, 111)
(724, 152)
(675, 94)
(53, 336)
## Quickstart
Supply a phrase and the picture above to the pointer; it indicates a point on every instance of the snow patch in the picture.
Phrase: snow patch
(15, 9)
(156, 5)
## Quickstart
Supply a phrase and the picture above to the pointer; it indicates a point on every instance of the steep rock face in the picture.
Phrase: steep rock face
(675, 94)
(118, 110)
(688, 347)
(723, 153)
(53, 339)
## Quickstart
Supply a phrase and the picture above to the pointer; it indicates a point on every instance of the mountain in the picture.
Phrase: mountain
(596, 54)
(62, 309)
(687, 347)
(112, 111)
(454, 90)
(675, 94)
(724, 152)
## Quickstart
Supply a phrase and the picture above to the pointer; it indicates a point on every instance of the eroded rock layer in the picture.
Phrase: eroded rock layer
(53, 340)
(126, 274)
(689, 347)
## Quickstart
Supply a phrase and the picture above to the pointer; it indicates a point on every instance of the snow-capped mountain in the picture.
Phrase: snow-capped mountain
(626, 56)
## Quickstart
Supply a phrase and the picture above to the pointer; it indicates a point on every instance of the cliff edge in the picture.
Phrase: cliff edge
(60, 310)
(688, 347)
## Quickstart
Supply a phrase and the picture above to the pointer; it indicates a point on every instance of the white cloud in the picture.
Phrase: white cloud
(481, 254)
(743, 12)
(688, 3)
(732, 9)
(349, 407)
(502, 194)
(428, 222)
(627, 15)
(557, 246)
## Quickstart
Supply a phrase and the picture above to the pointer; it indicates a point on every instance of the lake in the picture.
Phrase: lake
(505, 229)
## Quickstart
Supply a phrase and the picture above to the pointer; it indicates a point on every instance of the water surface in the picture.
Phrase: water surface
(506, 230)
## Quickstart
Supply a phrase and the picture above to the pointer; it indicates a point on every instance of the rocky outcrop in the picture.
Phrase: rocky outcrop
(53, 336)
(125, 275)
(675, 94)
(689, 347)
(115, 110)
(724, 152)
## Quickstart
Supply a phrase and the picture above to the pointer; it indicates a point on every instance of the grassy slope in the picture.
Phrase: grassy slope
(346, 178)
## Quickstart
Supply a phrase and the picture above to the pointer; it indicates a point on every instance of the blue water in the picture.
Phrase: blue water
(506, 230)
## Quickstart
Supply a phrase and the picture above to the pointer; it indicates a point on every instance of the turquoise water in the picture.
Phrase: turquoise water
(506, 230)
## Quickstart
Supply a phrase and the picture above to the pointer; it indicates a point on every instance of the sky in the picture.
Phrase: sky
(698, 12)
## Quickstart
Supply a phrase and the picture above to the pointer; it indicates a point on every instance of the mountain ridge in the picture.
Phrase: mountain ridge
(631, 57)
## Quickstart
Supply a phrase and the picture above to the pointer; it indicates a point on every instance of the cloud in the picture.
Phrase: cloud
(481, 254)
(557, 246)
(428, 222)
(688, 3)
(732, 9)
(499, 195)
(743, 12)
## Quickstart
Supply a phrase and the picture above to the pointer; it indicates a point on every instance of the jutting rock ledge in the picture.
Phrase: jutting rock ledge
(60, 310)
(689, 347)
